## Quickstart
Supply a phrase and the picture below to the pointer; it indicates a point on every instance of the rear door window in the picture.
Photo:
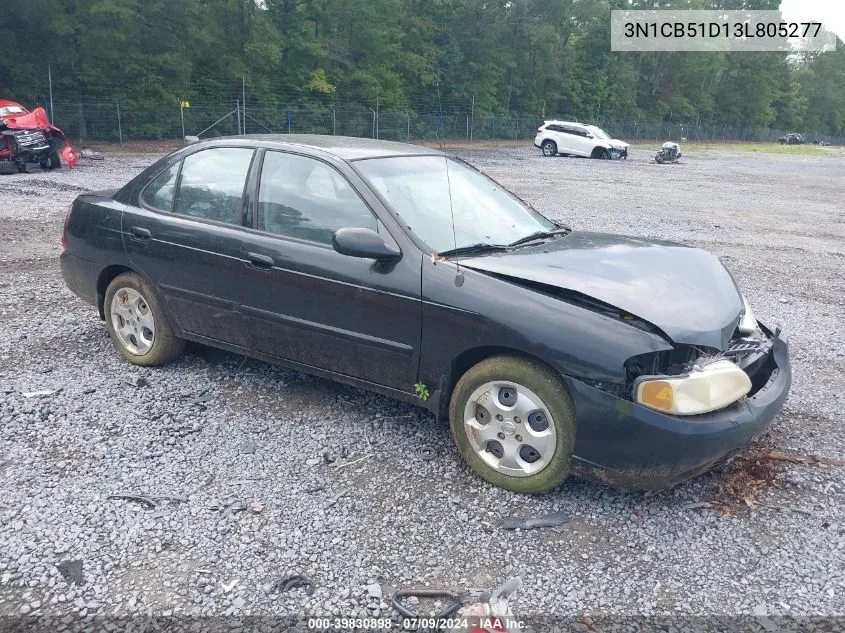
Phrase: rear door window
(211, 185)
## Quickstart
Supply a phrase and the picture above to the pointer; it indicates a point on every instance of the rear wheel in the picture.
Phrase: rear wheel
(138, 328)
(549, 148)
(513, 422)
(55, 161)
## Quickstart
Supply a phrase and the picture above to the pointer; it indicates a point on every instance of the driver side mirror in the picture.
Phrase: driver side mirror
(589, 135)
(364, 243)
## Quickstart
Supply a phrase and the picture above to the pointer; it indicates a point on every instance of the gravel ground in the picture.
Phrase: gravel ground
(230, 451)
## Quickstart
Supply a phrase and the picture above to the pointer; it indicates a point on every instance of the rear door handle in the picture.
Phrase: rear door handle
(140, 233)
(265, 262)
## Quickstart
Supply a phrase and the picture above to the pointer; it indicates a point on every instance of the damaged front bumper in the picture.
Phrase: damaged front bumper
(633, 447)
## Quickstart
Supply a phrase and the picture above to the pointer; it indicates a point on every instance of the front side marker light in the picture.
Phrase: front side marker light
(657, 394)
(710, 388)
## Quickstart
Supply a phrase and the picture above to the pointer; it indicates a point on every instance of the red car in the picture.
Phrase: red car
(29, 137)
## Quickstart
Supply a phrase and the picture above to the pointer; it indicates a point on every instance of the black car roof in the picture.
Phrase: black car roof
(344, 147)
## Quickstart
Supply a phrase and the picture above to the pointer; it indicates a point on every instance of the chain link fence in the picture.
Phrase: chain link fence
(116, 122)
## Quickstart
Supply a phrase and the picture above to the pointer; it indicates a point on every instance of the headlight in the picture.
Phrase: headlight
(709, 388)
(748, 322)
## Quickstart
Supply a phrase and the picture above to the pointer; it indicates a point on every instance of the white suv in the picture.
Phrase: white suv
(578, 139)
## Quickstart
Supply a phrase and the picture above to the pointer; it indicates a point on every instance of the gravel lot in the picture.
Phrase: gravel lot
(214, 432)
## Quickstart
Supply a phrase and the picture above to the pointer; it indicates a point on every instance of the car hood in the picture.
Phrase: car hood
(617, 143)
(683, 291)
(35, 120)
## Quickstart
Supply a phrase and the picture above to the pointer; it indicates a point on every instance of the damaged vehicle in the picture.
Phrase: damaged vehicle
(793, 138)
(577, 139)
(28, 138)
(402, 270)
(669, 152)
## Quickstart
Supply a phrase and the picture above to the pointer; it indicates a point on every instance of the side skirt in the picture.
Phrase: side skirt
(396, 394)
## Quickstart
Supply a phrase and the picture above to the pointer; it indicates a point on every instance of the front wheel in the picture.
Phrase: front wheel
(138, 328)
(513, 422)
(549, 148)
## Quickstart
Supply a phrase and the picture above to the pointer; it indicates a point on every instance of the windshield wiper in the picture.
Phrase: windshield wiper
(481, 247)
(538, 235)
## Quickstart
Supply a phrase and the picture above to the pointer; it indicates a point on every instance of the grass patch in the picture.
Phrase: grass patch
(767, 148)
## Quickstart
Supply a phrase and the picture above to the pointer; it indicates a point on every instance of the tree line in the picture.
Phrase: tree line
(532, 57)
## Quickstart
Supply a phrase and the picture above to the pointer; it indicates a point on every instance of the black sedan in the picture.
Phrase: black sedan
(402, 270)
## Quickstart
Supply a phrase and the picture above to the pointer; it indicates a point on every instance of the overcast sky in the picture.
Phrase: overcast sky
(831, 13)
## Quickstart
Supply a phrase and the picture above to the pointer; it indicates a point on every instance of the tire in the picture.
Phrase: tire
(533, 387)
(55, 161)
(601, 152)
(549, 148)
(155, 346)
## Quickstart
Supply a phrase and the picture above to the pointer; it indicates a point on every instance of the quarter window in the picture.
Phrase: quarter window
(212, 184)
(159, 193)
(306, 199)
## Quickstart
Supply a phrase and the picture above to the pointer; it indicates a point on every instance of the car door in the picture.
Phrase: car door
(579, 142)
(560, 138)
(311, 305)
(184, 235)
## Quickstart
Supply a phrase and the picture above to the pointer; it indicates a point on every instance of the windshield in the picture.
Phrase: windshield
(418, 189)
(6, 110)
(597, 131)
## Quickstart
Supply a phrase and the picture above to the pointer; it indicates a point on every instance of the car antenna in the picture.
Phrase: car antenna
(459, 275)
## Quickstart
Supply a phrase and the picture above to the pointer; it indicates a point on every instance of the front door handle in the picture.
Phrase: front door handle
(140, 233)
(264, 262)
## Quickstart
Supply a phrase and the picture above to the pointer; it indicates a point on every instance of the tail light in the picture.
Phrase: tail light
(64, 228)
(71, 157)
(539, 129)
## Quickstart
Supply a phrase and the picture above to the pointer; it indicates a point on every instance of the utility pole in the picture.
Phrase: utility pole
(472, 117)
(120, 128)
(243, 94)
(377, 111)
(50, 81)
